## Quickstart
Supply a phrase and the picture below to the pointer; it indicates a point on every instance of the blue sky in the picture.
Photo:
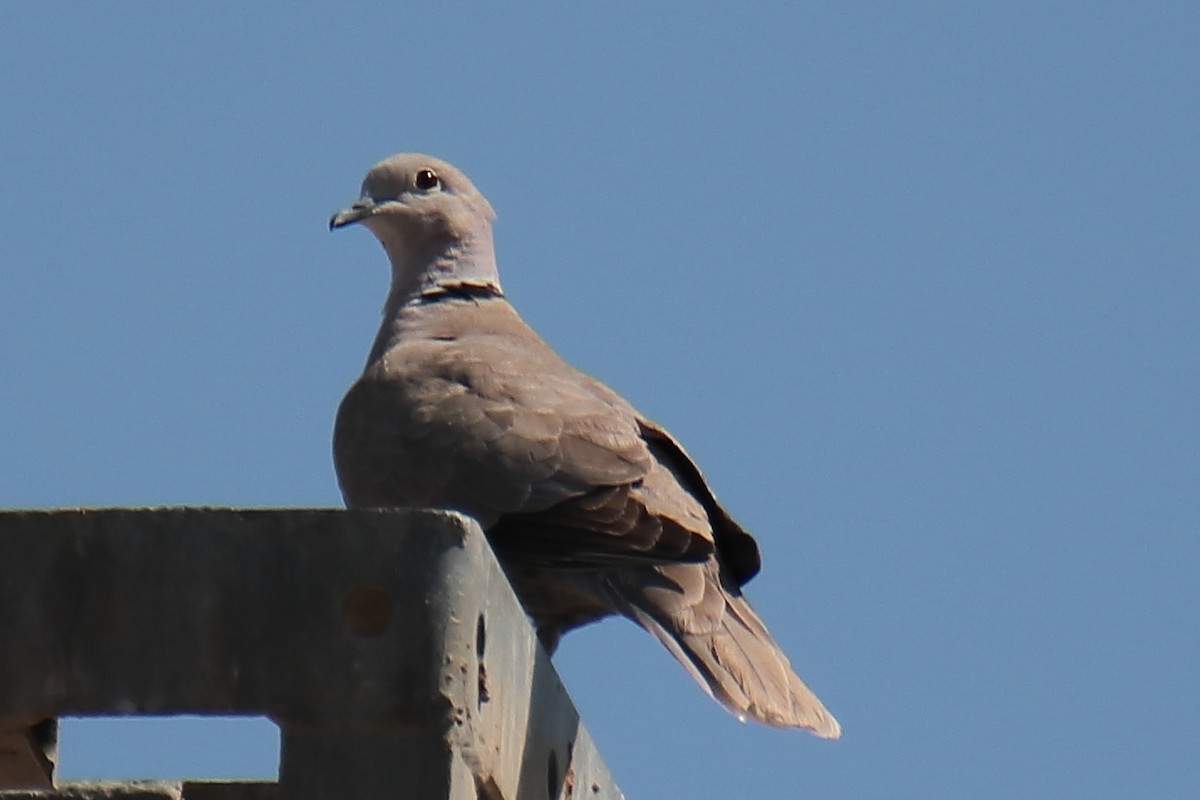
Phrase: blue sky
(917, 284)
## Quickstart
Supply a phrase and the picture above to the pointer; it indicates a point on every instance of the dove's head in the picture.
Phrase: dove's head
(434, 224)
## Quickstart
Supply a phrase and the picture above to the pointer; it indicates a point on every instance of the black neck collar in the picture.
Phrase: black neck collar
(460, 291)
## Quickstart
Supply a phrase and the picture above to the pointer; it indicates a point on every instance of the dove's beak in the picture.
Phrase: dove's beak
(361, 209)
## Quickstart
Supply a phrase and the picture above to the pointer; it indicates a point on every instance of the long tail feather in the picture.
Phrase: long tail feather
(717, 637)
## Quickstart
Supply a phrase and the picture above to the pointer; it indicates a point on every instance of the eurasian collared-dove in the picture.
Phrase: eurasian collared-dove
(593, 509)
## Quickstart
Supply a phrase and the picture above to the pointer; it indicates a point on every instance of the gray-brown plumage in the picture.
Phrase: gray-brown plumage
(593, 509)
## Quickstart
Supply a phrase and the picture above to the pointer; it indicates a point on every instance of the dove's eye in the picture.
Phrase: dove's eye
(427, 179)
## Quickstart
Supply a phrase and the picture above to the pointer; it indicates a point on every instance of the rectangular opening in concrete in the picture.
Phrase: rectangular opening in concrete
(168, 748)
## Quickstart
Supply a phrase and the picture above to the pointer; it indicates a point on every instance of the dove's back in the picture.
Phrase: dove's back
(462, 405)
(592, 509)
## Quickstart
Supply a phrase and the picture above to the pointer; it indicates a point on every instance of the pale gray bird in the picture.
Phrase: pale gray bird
(593, 509)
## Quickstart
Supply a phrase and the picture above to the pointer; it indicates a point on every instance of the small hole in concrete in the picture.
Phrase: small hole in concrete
(485, 693)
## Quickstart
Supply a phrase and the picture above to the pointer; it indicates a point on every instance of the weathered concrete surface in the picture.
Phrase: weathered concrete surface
(136, 790)
(229, 790)
(154, 790)
(387, 645)
(28, 751)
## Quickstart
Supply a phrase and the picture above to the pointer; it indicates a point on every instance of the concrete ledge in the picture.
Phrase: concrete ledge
(387, 645)
(136, 790)
(153, 790)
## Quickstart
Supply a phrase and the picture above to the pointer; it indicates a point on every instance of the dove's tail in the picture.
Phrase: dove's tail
(718, 638)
